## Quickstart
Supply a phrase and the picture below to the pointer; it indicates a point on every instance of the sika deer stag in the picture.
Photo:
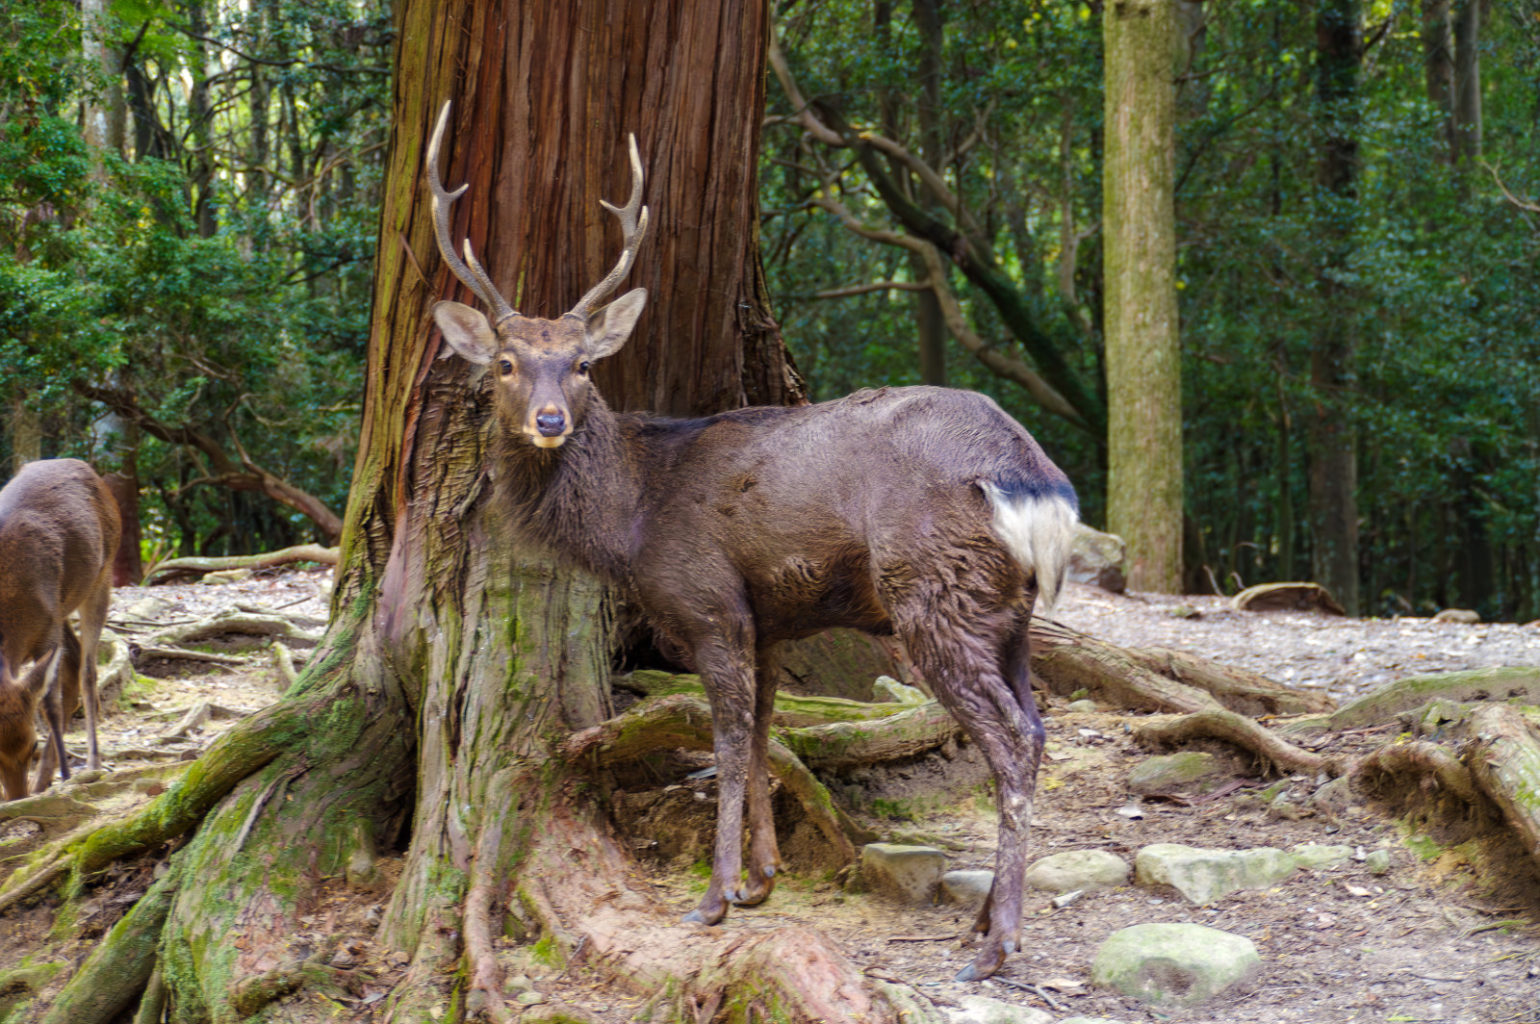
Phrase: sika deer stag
(921, 512)
(59, 530)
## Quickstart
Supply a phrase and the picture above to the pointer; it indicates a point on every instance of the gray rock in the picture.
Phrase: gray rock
(1089, 1020)
(890, 689)
(1170, 773)
(967, 886)
(1315, 857)
(984, 1010)
(1462, 616)
(1174, 964)
(1203, 876)
(1078, 869)
(1335, 797)
(908, 873)
(1097, 558)
(1377, 862)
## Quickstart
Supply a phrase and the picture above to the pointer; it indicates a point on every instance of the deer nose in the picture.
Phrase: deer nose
(550, 424)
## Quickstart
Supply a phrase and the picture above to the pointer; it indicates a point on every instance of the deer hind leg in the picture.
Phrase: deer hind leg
(764, 853)
(725, 663)
(93, 615)
(975, 678)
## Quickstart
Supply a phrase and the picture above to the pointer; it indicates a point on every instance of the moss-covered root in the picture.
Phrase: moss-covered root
(1403, 695)
(684, 721)
(119, 969)
(1504, 757)
(1066, 661)
(1239, 730)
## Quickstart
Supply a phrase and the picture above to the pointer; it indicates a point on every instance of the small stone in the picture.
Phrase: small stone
(1081, 707)
(1459, 616)
(227, 576)
(1203, 876)
(909, 873)
(1377, 862)
(1314, 856)
(1170, 773)
(1174, 964)
(967, 886)
(518, 983)
(1078, 869)
(973, 1009)
(530, 998)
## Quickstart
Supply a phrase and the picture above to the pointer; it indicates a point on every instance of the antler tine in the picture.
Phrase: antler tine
(470, 271)
(634, 228)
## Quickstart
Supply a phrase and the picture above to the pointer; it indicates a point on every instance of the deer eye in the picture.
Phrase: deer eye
(583, 367)
(505, 367)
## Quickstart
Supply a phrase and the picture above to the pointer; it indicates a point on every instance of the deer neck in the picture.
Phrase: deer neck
(579, 500)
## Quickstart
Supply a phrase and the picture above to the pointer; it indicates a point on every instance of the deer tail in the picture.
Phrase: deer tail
(1037, 525)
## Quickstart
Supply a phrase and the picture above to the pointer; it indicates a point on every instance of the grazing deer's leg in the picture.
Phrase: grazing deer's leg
(93, 615)
(725, 662)
(54, 755)
(764, 853)
(971, 682)
(17, 713)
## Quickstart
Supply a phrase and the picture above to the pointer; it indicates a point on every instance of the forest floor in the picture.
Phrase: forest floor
(1429, 941)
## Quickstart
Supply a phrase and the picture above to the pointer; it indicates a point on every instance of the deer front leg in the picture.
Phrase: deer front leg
(764, 853)
(728, 676)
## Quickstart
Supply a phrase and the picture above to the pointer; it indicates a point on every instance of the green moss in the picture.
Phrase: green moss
(546, 952)
(1425, 849)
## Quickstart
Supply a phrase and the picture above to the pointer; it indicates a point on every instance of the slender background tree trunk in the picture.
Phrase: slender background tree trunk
(1144, 388)
(1333, 438)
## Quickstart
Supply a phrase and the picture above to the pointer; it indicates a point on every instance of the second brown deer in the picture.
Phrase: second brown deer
(59, 530)
(922, 512)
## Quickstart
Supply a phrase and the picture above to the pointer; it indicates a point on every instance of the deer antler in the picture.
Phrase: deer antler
(634, 228)
(470, 271)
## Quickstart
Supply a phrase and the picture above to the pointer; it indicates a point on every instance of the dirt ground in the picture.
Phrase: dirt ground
(1429, 941)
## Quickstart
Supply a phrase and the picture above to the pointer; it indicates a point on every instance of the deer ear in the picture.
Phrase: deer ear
(467, 331)
(609, 328)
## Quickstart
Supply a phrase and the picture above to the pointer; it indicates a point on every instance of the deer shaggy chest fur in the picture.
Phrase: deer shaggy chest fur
(924, 513)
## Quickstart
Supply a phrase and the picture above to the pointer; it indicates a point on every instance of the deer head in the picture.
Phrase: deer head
(543, 387)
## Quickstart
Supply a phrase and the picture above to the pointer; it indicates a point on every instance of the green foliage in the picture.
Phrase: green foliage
(210, 283)
(1439, 267)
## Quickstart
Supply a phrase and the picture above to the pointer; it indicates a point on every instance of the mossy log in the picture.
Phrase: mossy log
(1403, 695)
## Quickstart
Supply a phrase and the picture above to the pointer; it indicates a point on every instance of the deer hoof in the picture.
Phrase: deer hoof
(708, 913)
(985, 964)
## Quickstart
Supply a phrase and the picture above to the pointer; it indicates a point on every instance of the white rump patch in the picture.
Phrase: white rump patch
(1040, 532)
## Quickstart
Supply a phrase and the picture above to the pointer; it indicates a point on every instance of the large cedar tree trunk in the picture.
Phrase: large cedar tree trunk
(456, 664)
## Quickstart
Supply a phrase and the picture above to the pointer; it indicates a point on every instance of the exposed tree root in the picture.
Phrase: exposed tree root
(1403, 695)
(1237, 729)
(795, 973)
(176, 567)
(683, 721)
(233, 622)
(1068, 661)
(1237, 689)
(1504, 758)
(120, 967)
(1430, 766)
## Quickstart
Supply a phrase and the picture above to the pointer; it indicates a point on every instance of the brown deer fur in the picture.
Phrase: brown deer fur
(59, 529)
(922, 512)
